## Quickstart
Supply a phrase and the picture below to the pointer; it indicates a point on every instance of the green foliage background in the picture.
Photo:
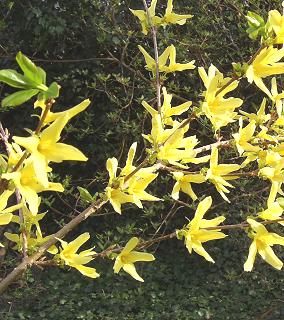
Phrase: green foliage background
(90, 48)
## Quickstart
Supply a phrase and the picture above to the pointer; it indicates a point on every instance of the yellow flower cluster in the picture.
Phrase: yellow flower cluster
(27, 169)
(258, 139)
(169, 18)
(126, 187)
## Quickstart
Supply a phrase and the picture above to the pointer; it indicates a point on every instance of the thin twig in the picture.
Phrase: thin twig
(29, 261)
(181, 126)
(235, 77)
(4, 136)
(156, 53)
(145, 244)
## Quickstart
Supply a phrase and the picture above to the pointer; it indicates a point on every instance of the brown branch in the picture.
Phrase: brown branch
(145, 244)
(221, 144)
(4, 136)
(140, 166)
(12, 57)
(29, 261)
(154, 36)
(181, 126)
(235, 77)
(243, 225)
(48, 105)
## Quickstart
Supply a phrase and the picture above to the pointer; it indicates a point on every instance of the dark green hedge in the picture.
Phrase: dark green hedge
(90, 48)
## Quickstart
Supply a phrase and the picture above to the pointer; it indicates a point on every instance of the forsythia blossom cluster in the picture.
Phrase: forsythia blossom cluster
(257, 142)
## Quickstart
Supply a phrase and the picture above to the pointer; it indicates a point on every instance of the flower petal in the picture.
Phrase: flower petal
(130, 245)
(251, 257)
(130, 269)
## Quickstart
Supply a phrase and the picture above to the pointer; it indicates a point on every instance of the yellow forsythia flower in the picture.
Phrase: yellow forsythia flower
(276, 97)
(167, 111)
(128, 257)
(276, 23)
(150, 62)
(46, 148)
(194, 233)
(273, 212)
(243, 137)
(216, 174)
(33, 242)
(173, 18)
(260, 117)
(174, 66)
(29, 186)
(170, 144)
(120, 191)
(265, 64)
(6, 213)
(168, 54)
(169, 18)
(183, 183)
(219, 110)
(68, 254)
(262, 243)
(275, 173)
(142, 16)
(52, 116)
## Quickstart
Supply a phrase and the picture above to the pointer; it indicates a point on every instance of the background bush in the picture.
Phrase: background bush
(90, 48)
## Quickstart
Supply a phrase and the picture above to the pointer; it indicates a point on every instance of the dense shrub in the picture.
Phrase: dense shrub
(90, 48)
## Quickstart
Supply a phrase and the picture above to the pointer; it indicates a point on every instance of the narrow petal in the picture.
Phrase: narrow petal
(175, 192)
(130, 245)
(111, 167)
(257, 227)
(198, 248)
(211, 223)
(135, 256)
(251, 257)
(74, 245)
(4, 197)
(130, 158)
(270, 257)
(202, 207)
(59, 152)
(29, 143)
(130, 269)
(117, 264)
(88, 271)
(52, 133)
(206, 235)
(5, 218)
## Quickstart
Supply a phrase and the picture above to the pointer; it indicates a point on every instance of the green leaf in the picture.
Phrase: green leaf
(254, 20)
(51, 93)
(256, 25)
(30, 70)
(280, 200)
(17, 98)
(15, 79)
(85, 195)
(42, 75)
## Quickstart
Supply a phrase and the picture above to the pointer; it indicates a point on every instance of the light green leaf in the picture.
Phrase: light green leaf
(30, 70)
(85, 195)
(17, 98)
(51, 93)
(15, 79)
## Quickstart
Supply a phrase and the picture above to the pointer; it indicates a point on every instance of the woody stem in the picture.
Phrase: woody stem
(156, 52)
